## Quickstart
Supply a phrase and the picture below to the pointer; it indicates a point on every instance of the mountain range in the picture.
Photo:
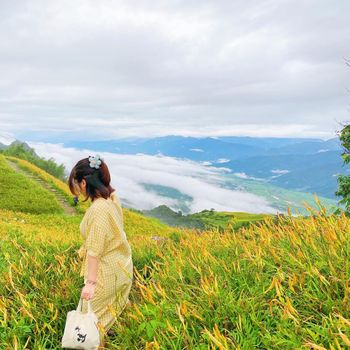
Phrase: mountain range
(300, 164)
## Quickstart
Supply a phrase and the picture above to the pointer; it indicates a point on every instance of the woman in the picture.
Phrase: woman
(107, 265)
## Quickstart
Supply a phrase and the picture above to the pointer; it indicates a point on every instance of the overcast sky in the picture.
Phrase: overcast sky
(113, 69)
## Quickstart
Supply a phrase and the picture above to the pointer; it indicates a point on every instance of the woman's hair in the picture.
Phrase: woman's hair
(97, 180)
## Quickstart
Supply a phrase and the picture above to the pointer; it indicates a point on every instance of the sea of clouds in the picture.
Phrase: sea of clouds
(204, 184)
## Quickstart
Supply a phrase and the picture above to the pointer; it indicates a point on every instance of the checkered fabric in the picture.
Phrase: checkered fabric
(104, 237)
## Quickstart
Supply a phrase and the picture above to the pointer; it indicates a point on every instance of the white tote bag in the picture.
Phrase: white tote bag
(81, 329)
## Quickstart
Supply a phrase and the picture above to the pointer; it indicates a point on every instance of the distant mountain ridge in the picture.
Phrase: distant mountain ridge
(306, 164)
(198, 149)
(209, 148)
(21, 143)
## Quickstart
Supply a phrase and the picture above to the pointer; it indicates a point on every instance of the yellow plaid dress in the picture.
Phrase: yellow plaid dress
(105, 238)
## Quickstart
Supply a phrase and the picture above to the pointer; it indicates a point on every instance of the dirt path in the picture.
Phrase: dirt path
(68, 209)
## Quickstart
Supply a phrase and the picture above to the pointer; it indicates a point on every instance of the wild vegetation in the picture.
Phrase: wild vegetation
(274, 285)
(18, 193)
(56, 183)
(344, 180)
(205, 219)
(22, 151)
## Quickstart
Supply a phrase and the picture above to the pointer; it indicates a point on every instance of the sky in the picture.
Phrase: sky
(114, 69)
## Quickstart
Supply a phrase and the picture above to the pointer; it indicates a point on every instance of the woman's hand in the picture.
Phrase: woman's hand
(88, 291)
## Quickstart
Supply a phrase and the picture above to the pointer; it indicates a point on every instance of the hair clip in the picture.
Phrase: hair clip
(96, 161)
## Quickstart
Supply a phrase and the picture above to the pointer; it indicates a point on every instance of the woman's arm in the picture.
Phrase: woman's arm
(94, 244)
(88, 290)
(92, 268)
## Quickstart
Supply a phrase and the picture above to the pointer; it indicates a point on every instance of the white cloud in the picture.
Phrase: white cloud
(243, 175)
(280, 171)
(222, 160)
(147, 68)
(6, 138)
(128, 172)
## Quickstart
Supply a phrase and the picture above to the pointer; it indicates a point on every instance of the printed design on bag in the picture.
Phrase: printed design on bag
(81, 337)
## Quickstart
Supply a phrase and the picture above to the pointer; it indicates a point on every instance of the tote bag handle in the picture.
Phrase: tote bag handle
(80, 305)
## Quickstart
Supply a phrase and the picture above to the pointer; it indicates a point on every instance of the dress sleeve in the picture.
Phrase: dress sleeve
(97, 234)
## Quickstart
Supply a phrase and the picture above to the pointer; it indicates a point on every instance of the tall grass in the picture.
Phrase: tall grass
(275, 285)
(18, 193)
(56, 183)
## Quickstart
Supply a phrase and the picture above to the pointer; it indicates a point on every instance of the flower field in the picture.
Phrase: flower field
(276, 285)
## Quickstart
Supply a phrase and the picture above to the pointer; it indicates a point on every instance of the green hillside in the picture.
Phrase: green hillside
(280, 284)
(206, 219)
(19, 193)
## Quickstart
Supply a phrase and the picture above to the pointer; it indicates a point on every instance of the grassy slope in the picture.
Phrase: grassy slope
(223, 220)
(272, 286)
(206, 219)
(53, 181)
(19, 193)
